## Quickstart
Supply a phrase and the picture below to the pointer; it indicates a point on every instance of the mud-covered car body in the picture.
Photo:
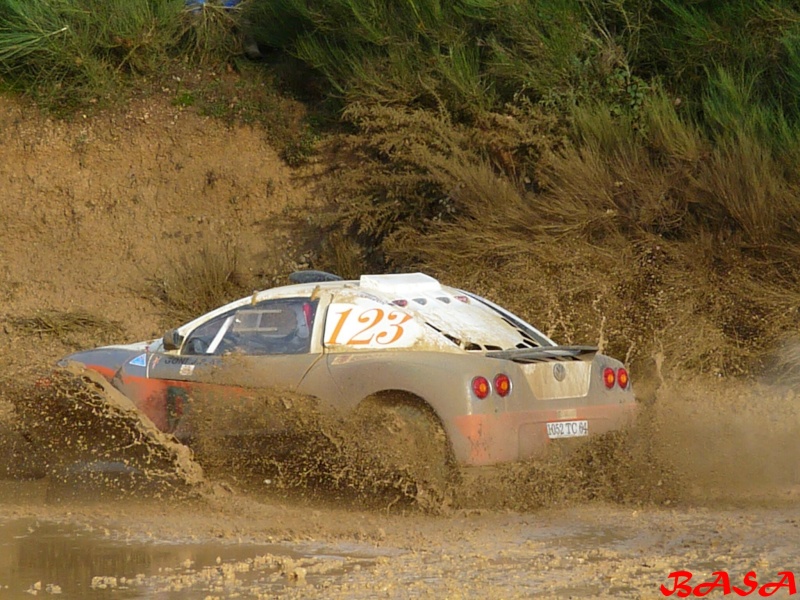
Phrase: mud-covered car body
(501, 389)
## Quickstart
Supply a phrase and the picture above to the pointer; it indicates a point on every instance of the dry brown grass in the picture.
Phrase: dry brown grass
(200, 281)
(396, 173)
(640, 236)
(64, 325)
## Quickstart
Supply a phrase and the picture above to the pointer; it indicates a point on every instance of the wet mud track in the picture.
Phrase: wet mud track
(246, 547)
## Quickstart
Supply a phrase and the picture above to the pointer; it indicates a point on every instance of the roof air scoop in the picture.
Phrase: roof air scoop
(403, 283)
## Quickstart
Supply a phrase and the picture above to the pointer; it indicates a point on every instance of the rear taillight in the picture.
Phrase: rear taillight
(609, 377)
(502, 384)
(622, 378)
(481, 387)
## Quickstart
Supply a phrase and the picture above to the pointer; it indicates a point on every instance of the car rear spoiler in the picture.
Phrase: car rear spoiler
(545, 354)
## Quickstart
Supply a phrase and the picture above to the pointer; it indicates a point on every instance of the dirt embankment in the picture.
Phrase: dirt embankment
(93, 208)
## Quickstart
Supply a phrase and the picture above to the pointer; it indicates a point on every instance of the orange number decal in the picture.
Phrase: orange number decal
(389, 327)
(371, 322)
(338, 329)
(398, 329)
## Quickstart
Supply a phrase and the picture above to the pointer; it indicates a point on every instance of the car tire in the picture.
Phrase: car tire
(406, 438)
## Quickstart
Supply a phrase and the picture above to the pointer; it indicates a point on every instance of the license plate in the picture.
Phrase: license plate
(567, 429)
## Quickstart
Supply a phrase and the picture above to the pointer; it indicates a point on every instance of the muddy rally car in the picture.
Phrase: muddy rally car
(440, 370)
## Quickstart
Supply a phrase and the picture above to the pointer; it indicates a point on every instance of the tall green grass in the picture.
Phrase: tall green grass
(474, 56)
(69, 52)
(467, 56)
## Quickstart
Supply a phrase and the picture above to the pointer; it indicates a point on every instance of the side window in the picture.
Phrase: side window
(271, 327)
(202, 338)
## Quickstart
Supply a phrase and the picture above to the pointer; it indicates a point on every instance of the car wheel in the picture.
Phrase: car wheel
(407, 440)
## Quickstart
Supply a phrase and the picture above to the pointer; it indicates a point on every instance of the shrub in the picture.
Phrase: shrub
(467, 56)
(199, 282)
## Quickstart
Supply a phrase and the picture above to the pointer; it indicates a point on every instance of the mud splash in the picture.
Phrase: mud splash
(76, 428)
(730, 442)
(313, 453)
(700, 442)
(697, 442)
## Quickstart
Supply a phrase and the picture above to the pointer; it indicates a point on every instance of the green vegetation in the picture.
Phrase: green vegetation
(466, 57)
(625, 171)
(69, 52)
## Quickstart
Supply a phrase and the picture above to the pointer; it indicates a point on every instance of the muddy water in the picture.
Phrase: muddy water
(246, 547)
(47, 557)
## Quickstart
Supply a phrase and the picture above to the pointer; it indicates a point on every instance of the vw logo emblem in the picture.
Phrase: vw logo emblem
(559, 372)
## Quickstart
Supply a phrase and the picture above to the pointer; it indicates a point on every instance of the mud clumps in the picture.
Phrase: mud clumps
(329, 458)
(89, 439)
(85, 434)
(698, 442)
(623, 467)
(318, 454)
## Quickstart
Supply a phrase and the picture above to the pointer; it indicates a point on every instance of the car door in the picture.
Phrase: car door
(233, 358)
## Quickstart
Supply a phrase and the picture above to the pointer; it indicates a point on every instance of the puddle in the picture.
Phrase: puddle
(45, 558)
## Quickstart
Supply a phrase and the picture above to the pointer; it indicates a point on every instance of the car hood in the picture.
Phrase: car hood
(108, 359)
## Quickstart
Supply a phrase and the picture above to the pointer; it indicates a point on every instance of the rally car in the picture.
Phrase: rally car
(445, 366)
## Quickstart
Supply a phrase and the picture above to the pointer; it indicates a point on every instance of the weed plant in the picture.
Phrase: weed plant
(209, 33)
(199, 282)
(69, 327)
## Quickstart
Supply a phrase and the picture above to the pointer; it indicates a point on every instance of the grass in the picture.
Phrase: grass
(636, 161)
(298, 148)
(67, 53)
(643, 234)
(469, 57)
(209, 33)
(65, 325)
(199, 282)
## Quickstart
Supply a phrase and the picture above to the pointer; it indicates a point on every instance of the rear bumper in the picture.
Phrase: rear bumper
(488, 439)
